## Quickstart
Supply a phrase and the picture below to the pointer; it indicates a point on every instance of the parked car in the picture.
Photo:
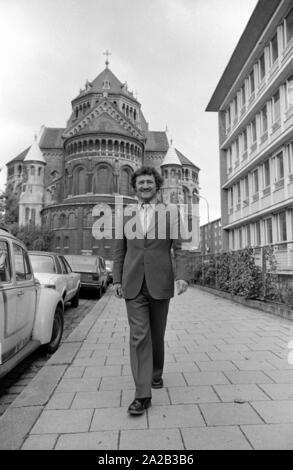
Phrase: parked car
(30, 315)
(109, 268)
(53, 270)
(92, 271)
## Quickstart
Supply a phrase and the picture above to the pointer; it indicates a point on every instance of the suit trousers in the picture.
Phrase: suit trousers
(147, 318)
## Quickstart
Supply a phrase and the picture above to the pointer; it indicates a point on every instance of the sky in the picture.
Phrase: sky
(172, 54)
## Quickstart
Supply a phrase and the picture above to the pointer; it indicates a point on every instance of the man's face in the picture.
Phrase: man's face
(145, 186)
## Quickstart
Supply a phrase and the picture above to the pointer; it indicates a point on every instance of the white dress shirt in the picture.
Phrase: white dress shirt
(146, 212)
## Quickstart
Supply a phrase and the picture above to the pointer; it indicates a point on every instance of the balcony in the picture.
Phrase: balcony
(253, 147)
(255, 197)
(266, 191)
(279, 184)
(264, 137)
(244, 156)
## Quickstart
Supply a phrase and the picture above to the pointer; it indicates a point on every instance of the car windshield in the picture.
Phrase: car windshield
(43, 264)
(82, 263)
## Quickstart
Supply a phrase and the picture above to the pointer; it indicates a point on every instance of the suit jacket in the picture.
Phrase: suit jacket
(149, 257)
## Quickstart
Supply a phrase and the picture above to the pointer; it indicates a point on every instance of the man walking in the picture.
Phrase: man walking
(143, 275)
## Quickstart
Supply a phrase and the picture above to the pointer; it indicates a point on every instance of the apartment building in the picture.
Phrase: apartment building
(254, 101)
(211, 237)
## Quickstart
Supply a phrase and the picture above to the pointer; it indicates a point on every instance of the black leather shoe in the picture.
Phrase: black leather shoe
(139, 405)
(157, 383)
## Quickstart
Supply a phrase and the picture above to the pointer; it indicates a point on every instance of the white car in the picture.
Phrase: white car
(30, 315)
(53, 270)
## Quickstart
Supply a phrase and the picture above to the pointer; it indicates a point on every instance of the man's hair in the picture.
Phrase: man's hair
(147, 170)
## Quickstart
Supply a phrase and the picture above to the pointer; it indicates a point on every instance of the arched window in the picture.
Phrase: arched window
(33, 170)
(80, 181)
(91, 145)
(62, 220)
(97, 145)
(124, 185)
(72, 220)
(103, 180)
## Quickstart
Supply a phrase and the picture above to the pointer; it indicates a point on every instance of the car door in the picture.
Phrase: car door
(8, 309)
(75, 277)
(67, 278)
(26, 296)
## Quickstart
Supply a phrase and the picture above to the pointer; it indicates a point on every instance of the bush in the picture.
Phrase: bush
(234, 272)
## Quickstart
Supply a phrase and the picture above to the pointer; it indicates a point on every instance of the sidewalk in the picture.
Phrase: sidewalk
(228, 384)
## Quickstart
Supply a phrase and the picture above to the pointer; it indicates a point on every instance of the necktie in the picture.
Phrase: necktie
(145, 207)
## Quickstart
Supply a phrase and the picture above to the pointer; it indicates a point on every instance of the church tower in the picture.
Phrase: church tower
(172, 173)
(31, 200)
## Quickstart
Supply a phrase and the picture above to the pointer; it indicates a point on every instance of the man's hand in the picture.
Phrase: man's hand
(118, 290)
(181, 286)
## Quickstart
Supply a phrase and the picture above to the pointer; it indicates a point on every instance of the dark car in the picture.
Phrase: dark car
(92, 270)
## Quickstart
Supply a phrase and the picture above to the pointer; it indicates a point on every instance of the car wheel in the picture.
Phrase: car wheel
(57, 332)
(75, 301)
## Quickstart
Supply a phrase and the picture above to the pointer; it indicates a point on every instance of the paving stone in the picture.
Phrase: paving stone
(215, 438)
(15, 424)
(151, 439)
(78, 385)
(270, 436)
(106, 419)
(60, 401)
(91, 361)
(65, 354)
(180, 367)
(243, 392)
(42, 442)
(216, 365)
(104, 440)
(226, 356)
(217, 414)
(96, 399)
(205, 378)
(281, 376)
(102, 371)
(74, 372)
(275, 411)
(200, 394)
(281, 364)
(175, 416)
(278, 391)
(41, 387)
(63, 421)
(117, 360)
(192, 356)
(254, 365)
(247, 377)
(117, 383)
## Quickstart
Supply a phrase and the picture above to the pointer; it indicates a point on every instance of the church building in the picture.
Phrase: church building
(67, 171)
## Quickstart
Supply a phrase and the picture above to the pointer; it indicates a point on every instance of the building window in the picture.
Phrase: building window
(290, 157)
(264, 119)
(282, 227)
(240, 238)
(274, 49)
(33, 217)
(276, 114)
(289, 26)
(257, 233)
(266, 173)
(229, 160)
(248, 238)
(238, 192)
(228, 119)
(289, 92)
(269, 231)
(32, 170)
(230, 198)
(262, 67)
(279, 167)
(255, 185)
(246, 187)
(251, 82)
(106, 85)
(253, 131)
(243, 95)
(244, 140)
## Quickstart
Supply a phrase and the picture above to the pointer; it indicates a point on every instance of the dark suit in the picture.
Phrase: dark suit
(143, 266)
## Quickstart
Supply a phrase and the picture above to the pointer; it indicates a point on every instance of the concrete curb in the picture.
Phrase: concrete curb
(268, 307)
(22, 414)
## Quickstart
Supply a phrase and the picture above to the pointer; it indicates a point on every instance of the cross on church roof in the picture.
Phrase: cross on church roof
(107, 53)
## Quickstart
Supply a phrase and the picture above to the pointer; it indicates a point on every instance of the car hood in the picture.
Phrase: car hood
(46, 278)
